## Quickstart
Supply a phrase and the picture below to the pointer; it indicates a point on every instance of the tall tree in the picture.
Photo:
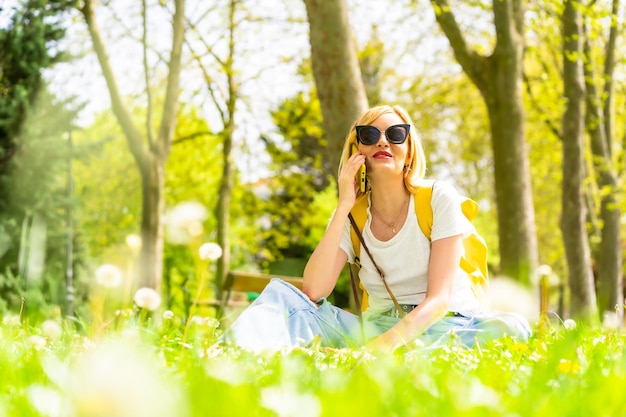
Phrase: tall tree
(499, 79)
(573, 215)
(336, 70)
(599, 124)
(225, 101)
(150, 150)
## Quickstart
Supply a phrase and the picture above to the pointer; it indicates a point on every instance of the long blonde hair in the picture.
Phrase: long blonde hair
(415, 169)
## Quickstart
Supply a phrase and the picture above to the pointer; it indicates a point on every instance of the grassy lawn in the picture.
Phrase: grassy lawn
(138, 366)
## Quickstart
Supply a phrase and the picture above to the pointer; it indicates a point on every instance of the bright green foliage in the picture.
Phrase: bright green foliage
(33, 154)
(27, 46)
(299, 172)
(579, 372)
(108, 186)
(33, 220)
(545, 107)
(192, 174)
(371, 60)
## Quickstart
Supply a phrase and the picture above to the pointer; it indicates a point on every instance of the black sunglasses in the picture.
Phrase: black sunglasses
(370, 135)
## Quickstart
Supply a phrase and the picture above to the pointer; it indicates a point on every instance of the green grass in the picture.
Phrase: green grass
(151, 367)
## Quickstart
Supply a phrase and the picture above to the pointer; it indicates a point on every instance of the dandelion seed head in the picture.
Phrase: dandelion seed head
(569, 324)
(134, 242)
(544, 270)
(47, 401)
(210, 251)
(228, 371)
(108, 275)
(212, 322)
(120, 379)
(11, 320)
(510, 296)
(184, 222)
(37, 342)
(147, 298)
(51, 330)
(610, 320)
(168, 315)
(480, 395)
(287, 402)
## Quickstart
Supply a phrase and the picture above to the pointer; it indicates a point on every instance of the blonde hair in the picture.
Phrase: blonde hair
(415, 169)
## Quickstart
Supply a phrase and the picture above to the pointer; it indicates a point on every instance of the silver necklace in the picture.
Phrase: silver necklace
(391, 224)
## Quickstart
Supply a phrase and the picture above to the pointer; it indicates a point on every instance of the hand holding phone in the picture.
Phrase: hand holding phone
(361, 174)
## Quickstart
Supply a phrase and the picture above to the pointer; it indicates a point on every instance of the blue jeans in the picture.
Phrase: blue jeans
(283, 318)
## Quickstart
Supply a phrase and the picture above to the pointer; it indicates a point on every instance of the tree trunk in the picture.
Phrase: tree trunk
(222, 209)
(152, 208)
(573, 216)
(599, 125)
(150, 157)
(499, 80)
(336, 70)
(222, 212)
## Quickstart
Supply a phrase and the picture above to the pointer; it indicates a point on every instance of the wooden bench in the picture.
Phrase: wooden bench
(254, 282)
(245, 282)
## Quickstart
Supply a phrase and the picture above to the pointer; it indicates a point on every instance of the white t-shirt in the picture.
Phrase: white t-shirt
(404, 258)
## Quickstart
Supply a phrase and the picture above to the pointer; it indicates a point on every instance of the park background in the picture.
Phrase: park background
(134, 133)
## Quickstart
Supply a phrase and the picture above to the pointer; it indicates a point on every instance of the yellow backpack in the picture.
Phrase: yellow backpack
(473, 262)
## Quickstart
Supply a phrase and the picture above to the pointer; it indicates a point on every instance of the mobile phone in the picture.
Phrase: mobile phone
(361, 174)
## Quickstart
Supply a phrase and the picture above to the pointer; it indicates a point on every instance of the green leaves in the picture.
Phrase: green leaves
(562, 372)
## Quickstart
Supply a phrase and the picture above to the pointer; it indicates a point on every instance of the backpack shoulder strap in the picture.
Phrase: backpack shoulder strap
(423, 209)
(359, 213)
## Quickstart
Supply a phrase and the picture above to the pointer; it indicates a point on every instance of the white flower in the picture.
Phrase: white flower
(123, 379)
(610, 320)
(544, 270)
(38, 342)
(108, 275)
(212, 322)
(168, 315)
(47, 401)
(147, 298)
(511, 296)
(11, 320)
(286, 402)
(210, 251)
(133, 242)
(184, 222)
(51, 329)
(569, 324)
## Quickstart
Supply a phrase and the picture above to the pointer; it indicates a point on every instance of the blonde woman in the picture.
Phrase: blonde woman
(426, 295)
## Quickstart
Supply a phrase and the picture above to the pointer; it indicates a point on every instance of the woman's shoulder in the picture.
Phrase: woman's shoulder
(440, 188)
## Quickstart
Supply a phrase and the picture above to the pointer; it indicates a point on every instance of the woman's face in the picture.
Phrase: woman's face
(385, 158)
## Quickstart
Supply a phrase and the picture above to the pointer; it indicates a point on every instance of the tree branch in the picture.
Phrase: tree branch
(146, 73)
(609, 69)
(472, 63)
(170, 107)
(133, 136)
(191, 136)
(536, 104)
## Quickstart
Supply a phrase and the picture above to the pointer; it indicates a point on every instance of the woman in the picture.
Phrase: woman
(422, 274)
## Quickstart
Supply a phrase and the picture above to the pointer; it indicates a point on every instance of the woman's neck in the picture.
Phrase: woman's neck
(389, 195)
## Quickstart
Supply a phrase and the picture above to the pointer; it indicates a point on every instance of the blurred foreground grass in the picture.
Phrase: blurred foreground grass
(142, 366)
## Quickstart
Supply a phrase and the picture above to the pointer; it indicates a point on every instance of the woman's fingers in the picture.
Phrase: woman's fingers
(347, 176)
